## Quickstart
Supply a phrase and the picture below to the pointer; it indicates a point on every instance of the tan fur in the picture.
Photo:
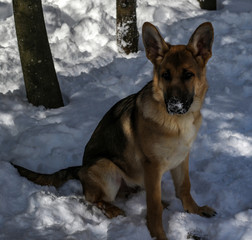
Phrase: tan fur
(143, 136)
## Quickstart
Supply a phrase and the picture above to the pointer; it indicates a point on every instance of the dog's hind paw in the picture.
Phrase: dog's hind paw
(109, 210)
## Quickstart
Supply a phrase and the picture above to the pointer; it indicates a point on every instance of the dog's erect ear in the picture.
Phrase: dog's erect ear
(154, 44)
(201, 41)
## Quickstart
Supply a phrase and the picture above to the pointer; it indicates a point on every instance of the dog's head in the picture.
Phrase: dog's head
(179, 70)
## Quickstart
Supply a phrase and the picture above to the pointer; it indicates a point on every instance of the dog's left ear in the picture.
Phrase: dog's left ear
(200, 43)
(155, 46)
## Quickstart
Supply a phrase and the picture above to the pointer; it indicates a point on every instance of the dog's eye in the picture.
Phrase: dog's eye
(167, 75)
(187, 75)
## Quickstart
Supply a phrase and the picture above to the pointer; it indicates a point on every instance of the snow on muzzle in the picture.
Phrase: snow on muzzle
(177, 106)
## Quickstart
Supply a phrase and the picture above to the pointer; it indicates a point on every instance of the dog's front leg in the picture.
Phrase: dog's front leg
(152, 177)
(182, 184)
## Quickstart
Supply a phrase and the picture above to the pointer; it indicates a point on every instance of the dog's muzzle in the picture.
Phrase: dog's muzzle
(175, 105)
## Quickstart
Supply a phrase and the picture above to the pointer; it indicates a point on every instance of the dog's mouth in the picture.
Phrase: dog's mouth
(175, 105)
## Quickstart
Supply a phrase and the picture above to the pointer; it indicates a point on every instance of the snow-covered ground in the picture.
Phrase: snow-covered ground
(93, 76)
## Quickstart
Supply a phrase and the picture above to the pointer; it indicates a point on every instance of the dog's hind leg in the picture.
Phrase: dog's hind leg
(182, 185)
(101, 183)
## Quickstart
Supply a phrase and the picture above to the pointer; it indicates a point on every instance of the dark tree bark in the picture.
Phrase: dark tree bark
(126, 30)
(208, 4)
(42, 87)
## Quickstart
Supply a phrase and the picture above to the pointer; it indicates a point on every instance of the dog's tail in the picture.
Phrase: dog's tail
(55, 179)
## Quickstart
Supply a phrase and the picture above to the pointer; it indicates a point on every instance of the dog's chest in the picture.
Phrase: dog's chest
(188, 130)
(174, 149)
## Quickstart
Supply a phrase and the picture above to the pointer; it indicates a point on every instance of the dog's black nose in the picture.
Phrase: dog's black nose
(177, 106)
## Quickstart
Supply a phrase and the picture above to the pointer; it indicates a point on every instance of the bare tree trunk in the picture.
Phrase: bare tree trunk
(42, 87)
(208, 4)
(126, 31)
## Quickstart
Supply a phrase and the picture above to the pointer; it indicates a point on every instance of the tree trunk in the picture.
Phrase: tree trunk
(126, 30)
(208, 4)
(41, 83)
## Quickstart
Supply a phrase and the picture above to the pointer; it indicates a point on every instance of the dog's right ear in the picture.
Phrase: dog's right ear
(155, 46)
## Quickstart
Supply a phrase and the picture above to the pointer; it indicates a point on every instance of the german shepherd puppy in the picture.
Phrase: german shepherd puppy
(147, 133)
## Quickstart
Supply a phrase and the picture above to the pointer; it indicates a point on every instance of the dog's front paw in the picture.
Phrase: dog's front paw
(159, 235)
(206, 211)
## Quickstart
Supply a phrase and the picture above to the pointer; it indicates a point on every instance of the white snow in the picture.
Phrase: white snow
(93, 76)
